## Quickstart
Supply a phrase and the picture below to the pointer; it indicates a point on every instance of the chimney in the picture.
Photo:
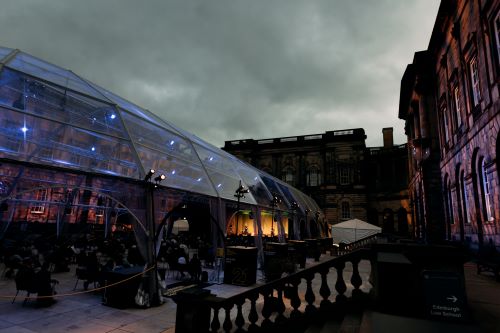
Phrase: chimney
(388, 137)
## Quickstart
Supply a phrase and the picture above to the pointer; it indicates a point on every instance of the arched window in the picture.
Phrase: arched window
(465, 201)
(486, 194)
(345, 210)
(313, 176)
(288, 175)
(450, 202)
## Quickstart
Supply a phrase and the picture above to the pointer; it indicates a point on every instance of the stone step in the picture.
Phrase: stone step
(350, 324)
(376, 322)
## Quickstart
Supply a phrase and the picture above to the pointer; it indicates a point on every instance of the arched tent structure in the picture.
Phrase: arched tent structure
(58, 129)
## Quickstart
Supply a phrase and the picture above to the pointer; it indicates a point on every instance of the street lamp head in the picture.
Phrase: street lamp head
(420, 149)
(149, 175)
(240, 191)
(160, 178)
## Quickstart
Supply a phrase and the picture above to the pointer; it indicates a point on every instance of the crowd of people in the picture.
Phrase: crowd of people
(33, 260)
(175, 252)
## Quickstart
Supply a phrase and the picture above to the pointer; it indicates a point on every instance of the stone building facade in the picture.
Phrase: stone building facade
(334, 168)
(387, 185)
(450, 101)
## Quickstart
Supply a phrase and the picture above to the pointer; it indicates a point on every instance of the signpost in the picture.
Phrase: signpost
(444, 295)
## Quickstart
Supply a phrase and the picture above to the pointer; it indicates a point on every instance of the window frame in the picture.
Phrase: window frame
(465, 201)
(42, 195)
(487, 208)
(458, 105)
(313, 176)
(344, 175)
(475, 81)
(288, 175)
(495, 41)
(345, 210)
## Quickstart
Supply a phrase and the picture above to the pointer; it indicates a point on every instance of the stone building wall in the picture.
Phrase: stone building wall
(464, 52)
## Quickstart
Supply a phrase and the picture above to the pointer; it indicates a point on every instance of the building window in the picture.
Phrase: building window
(458, 106)
(446, 125)
(288, 176)
(68, 207)
(450, 203)
(464, 199)
(486, 193)
(344, 175)
(346, 210)
(40, 197)
(496, 26)
(313, 177)
(474, 75)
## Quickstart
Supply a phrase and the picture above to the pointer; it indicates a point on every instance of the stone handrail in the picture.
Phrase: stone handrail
(349, 247)
(278, 305)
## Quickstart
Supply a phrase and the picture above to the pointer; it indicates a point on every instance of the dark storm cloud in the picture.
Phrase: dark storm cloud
(236, 69)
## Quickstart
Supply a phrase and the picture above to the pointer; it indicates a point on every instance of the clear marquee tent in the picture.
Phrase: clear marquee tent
(72, 152)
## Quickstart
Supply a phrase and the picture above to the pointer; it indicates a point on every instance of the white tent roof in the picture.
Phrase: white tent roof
(353, 230)
(356, 224)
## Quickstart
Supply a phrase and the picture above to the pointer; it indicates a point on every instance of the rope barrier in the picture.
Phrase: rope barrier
(86, 291)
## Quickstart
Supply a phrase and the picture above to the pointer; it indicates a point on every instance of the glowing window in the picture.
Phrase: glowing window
(40, 197)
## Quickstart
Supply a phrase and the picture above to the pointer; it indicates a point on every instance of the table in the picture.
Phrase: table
(123, 294)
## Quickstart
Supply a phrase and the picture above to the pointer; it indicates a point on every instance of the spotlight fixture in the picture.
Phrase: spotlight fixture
(160, 178)
(149, 175)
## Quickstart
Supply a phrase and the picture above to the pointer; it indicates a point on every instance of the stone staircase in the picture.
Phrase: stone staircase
(351, 323)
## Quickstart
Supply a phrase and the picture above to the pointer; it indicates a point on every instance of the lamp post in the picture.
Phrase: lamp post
(150, 216)
(239, 194)
(294, 206)
(316, 215)
(307, 211)
(274, 203)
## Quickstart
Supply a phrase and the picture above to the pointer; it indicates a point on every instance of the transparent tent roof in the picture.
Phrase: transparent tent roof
(52, 116)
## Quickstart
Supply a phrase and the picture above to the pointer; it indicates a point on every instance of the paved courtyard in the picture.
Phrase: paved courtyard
(81, 312)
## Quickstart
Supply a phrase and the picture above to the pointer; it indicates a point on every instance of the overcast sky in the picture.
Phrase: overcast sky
(234, 69)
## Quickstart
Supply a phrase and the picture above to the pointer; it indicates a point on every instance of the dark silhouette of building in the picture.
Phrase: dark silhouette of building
(449, 100)
(335, 168)
(387, 182)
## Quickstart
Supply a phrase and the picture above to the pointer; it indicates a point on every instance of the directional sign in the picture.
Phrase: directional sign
(444, 295)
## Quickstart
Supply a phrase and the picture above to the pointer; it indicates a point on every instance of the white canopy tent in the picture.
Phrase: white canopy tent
(353, 230)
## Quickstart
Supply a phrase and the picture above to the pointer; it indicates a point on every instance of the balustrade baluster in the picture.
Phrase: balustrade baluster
(340, 285)
(356, 279)
(324, 290)
(267, 310)
(215, 325)
(295, 299)
(253, 316)
(228, 325)
(309, 296)
(280, 307)
(239, 321)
